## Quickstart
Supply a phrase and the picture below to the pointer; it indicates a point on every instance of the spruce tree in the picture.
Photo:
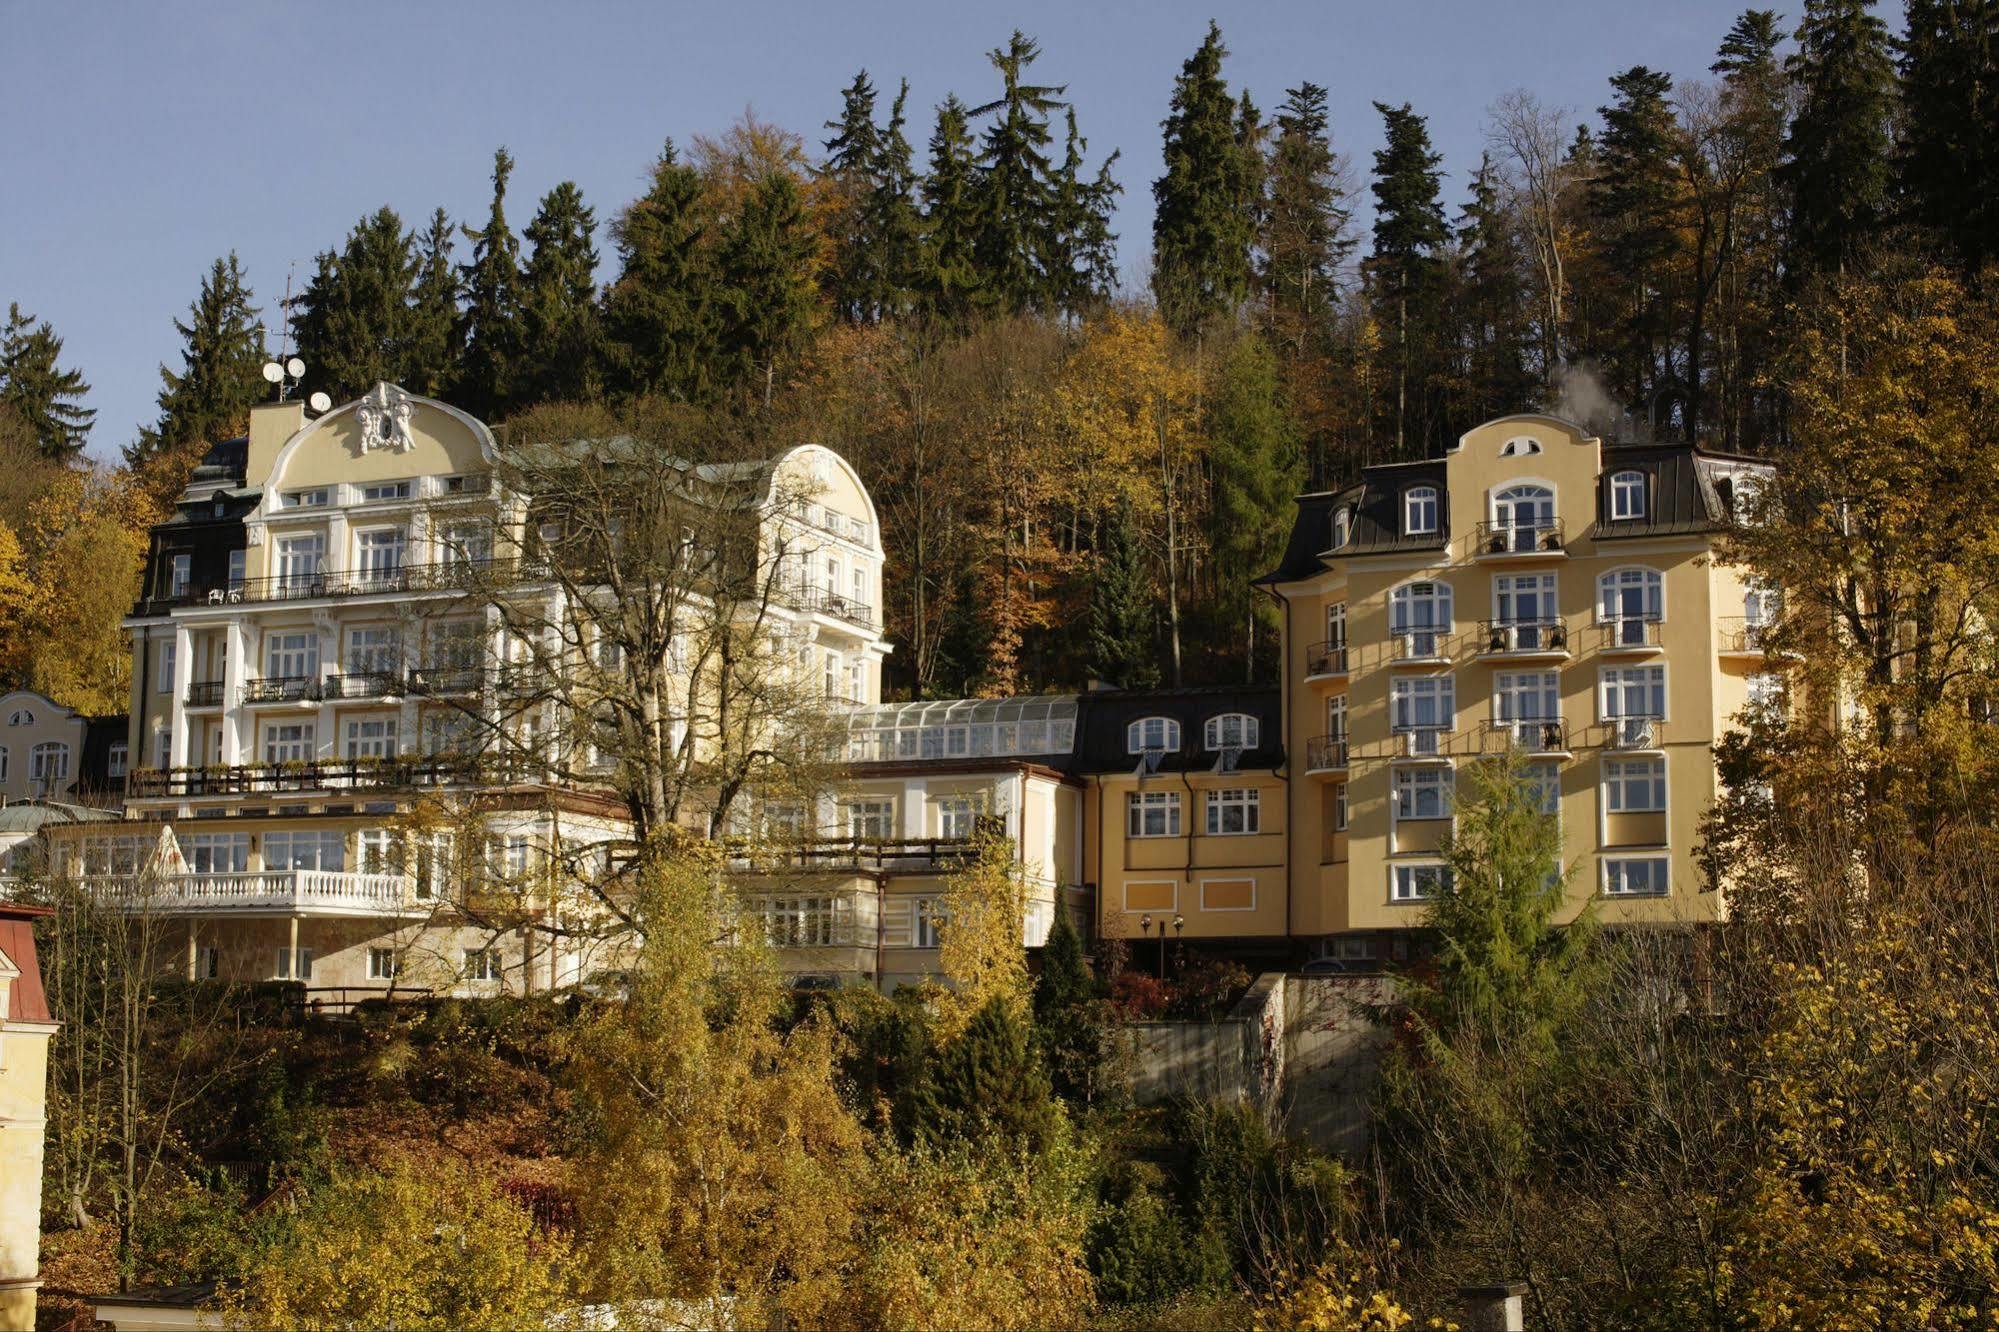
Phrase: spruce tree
(1015, 194)
(986, 1087)
(353, 327)
(1082, 263)
(1404, 269)
(768, 285)
(432, 360)
(1836, 156)
(48, 398)
(1490, 304)
(1256, 468)
(854, 282)
(487, 383)
(1204, 219)
(894, 222)
(561, 335)
(1947, 160)
(220, 377)
(660, 313)
(1742, 414)
(1066, 1014)
(1121, 640)
(1631, 202)
(1305, 236)
(952, 285)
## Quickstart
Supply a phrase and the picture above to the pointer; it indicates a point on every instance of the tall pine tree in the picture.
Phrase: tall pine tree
(1947, 164)
(434, 349)
(48, 398)
(492, 320)
(768, 285)
(1305, 224)
(220, 377)
(952, 285)
(1015, 192)
(1082, 263)
(660, 313)
(1404, 272)
(561, 352)
(1205, 206)
(1836, 157)
(1491, 302)
(353, 327)
(1632, 201)
(1122, 644)
(1256, 468)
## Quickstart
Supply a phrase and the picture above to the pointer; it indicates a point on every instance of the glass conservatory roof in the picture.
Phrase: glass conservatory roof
(964, 728)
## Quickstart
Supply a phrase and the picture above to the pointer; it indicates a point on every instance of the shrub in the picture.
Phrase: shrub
(1139, 997)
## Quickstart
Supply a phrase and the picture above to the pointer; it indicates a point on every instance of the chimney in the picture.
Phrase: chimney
(271, 424)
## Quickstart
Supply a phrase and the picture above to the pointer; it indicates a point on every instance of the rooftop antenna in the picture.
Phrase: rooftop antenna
(287, 370)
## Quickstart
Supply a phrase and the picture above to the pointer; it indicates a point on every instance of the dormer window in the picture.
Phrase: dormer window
(1152, 735)
(1520, 447)
(1627, 495)
(21, 717)
(1230, 730)
(1342, 526)
(1419, 511)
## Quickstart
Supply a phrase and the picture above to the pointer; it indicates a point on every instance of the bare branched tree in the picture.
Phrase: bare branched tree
(1531, 140)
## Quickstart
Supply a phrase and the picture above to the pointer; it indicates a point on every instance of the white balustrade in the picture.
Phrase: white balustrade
(331, 891)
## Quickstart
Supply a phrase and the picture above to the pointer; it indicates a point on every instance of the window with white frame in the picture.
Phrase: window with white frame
(314, 849)
(180, 576)
(304, 499)
(447, 731)
(289, 742)
(1417, 883)
(467, 542)
(1421, 612)
(1342, 526)
(115, 855)
(958, 816)
(1230, 730)
(1234, 811)
(870, 820)
(481, 964)
(1152, 814)
(1423, 703)
(1339, 807)
(375, 650)
(1527, 703)
(457, 645)
(784, 820)
(1642, 876)
(1521, 513)
(1336, 623)
(166, 680)
(1527, 611)
(1542, 783)
(292, 655)
(294, 964)
(381, 492)
(239, 564)
(1336, 717)
(1634, 786)
(792, 922)
(370, 738)
(1766, 694)
(1628, 600)
(383, 964)
(1150, 735)
(301, 562)
(116, 763)
(1424, 793)
(21, 717)
(163, 748)
(1762, 607)
(1627, 495)
(432, 855)
(927, 913)
(1634, 692)
(379, 849)
(379, 553)
(1419, 510)
(216, 853)
(49, 762)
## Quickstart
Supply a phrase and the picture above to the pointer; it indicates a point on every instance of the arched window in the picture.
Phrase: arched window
(1422, 612)
(21, 717)
(1419, 510)
(1628, 600)
(1627, 495)
(1521, 513)
(1342, 526)
(1520, 446)
(1230, 729)
(1150, 735)
(49, 762)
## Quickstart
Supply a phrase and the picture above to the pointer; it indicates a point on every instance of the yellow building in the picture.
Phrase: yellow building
(1537, 591)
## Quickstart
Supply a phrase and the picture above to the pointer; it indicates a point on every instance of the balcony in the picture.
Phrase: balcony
(873, 855)
(1423, 742)
(291, 892)
(1326, 661)
(329, 775)
(1326, 753)
(1544, 736)
(1521, 541)
(1421, 647)
(440, 576)
(439, 681)
(205, 694)
(1532, 640)
(365, 684)
(284, 689)
(1638, 735)
(1746, 639)
(1631, 636)
(823, 601)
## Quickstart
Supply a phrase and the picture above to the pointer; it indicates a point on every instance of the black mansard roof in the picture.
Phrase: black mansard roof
(1107, 715)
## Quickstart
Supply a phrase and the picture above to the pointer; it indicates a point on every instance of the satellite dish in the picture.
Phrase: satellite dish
(320, 402)
(273, 372)
(294, 367)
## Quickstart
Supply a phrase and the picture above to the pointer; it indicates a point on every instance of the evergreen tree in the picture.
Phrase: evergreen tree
(1836, 156)
(1121, 642)
(768, 284)
(1744, 413)
(1404, 269)
(1947, 163)
(1492, 298)
(1204, 219)
(1082, 268)
(561, 336)
(48, 398)
(856, 282)
(353, 327)
(220, 378)
(1256, 469)
(1066, 1012)
(986, 1086)
(1305, 238)
(660, 312)
(1631, 201)
(1015, 189)
(952, 285)
(434, 349)
(489, 380)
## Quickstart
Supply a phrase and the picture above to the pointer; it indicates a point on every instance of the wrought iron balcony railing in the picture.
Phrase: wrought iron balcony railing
(1328, 658)
(205, 694)
(1629, 633)
(1534, 735)
(1503, 637)
(1326, 753)
(1511, 537)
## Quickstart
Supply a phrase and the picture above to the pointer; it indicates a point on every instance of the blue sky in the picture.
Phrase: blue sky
(146, 139)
